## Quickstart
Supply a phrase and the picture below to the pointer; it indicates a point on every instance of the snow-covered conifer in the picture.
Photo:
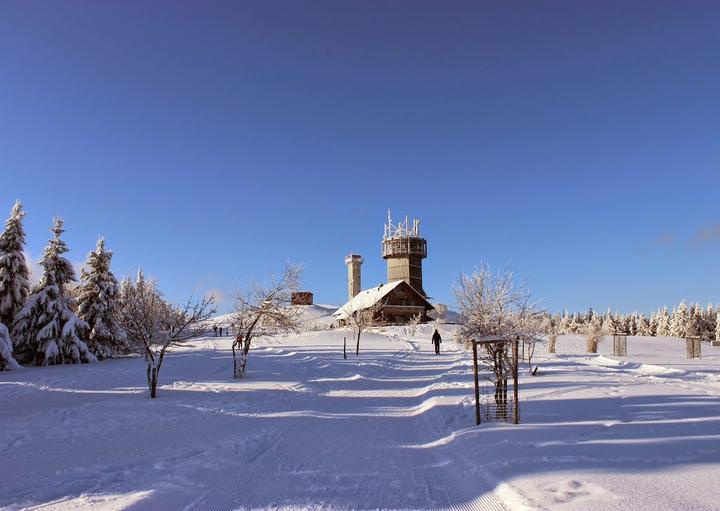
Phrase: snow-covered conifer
(6, 349)
(564, 326)
(609, 325)
(643, 326)
(575, 324)
(632, 324)
(709, 324)
(717, 327)
(654, 318)
(664, 327)
(680, 321)
(696, 323)
(595, 322)
(47, 330)
(99, 304)
(622, 323)
(14, 274)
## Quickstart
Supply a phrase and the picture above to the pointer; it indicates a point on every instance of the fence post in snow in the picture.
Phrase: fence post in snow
(477, 384)
(619, 345)
(693, 347)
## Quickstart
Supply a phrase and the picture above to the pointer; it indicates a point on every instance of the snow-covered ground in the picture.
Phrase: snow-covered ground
(392, 428)
(314, 317)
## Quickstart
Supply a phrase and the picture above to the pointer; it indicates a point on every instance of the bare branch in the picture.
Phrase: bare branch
(265, 309)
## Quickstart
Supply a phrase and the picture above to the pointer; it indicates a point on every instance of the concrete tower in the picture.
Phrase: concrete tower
(404, 250)
(353, 262)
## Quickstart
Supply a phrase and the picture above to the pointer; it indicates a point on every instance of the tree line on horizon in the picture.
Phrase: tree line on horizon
(682, 321)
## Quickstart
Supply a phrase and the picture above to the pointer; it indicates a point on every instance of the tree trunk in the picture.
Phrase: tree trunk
(240, 363)
(345, 348)
(357, 344)
(152, 376)
(235, 360)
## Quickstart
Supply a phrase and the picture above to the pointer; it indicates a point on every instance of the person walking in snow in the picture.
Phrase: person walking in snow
(215, 330)
(436, 340)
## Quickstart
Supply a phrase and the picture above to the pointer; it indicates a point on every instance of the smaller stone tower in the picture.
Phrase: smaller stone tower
(353, 261)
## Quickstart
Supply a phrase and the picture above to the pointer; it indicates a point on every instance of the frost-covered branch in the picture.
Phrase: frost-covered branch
(154, 326)
(497, 305)
(264, 309)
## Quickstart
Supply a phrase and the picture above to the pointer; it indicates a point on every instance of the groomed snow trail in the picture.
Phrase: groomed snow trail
(343, 440)
(305, 430)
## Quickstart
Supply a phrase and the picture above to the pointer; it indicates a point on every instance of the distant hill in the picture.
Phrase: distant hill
(316, 317)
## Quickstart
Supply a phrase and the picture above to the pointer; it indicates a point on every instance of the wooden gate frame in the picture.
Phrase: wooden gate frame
(515, 348)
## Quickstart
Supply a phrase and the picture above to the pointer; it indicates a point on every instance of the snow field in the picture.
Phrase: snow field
(391, 429)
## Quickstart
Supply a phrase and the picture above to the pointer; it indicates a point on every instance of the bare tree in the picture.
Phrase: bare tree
(154, 325)
(264, 309)
(593, 332)
(415, 322)
(439, 314)
(361, 318)
(497, 305)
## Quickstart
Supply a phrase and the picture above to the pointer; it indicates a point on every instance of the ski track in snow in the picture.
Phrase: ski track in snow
(390, 429)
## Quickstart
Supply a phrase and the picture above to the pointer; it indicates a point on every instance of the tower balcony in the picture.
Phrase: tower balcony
(406, 246)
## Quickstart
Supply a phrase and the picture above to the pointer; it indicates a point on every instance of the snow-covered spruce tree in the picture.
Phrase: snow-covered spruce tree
(6, 349)
(14, 274)
(609, 325)
(99, 304)
(696, 323)
(622, 324)
(576, 323)
(632, 324)
(653, 326)
(564, 326)
(717, 328)
(47, 330)
(680, 321)
(643, 326)
(709, 321)
(596, 322)
(664, 327)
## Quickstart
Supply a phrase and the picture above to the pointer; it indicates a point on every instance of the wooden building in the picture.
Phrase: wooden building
(301, 298)
(394, 303)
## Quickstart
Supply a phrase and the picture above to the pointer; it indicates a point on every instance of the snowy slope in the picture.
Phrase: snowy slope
(314, 317)
(391, 429)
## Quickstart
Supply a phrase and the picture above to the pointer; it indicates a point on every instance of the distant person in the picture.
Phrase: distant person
(215, 330)
(221, 331)
(436, 340)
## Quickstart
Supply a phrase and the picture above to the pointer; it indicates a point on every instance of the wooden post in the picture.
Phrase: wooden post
(693, 346)
(620, 345)
(516, 411)
(477, 385)
(551, 343)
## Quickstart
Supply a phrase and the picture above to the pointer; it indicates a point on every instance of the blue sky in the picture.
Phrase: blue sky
(210, 142)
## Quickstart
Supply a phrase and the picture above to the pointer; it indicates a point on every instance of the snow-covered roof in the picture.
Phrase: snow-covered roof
(365, 299)
(368, 298)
